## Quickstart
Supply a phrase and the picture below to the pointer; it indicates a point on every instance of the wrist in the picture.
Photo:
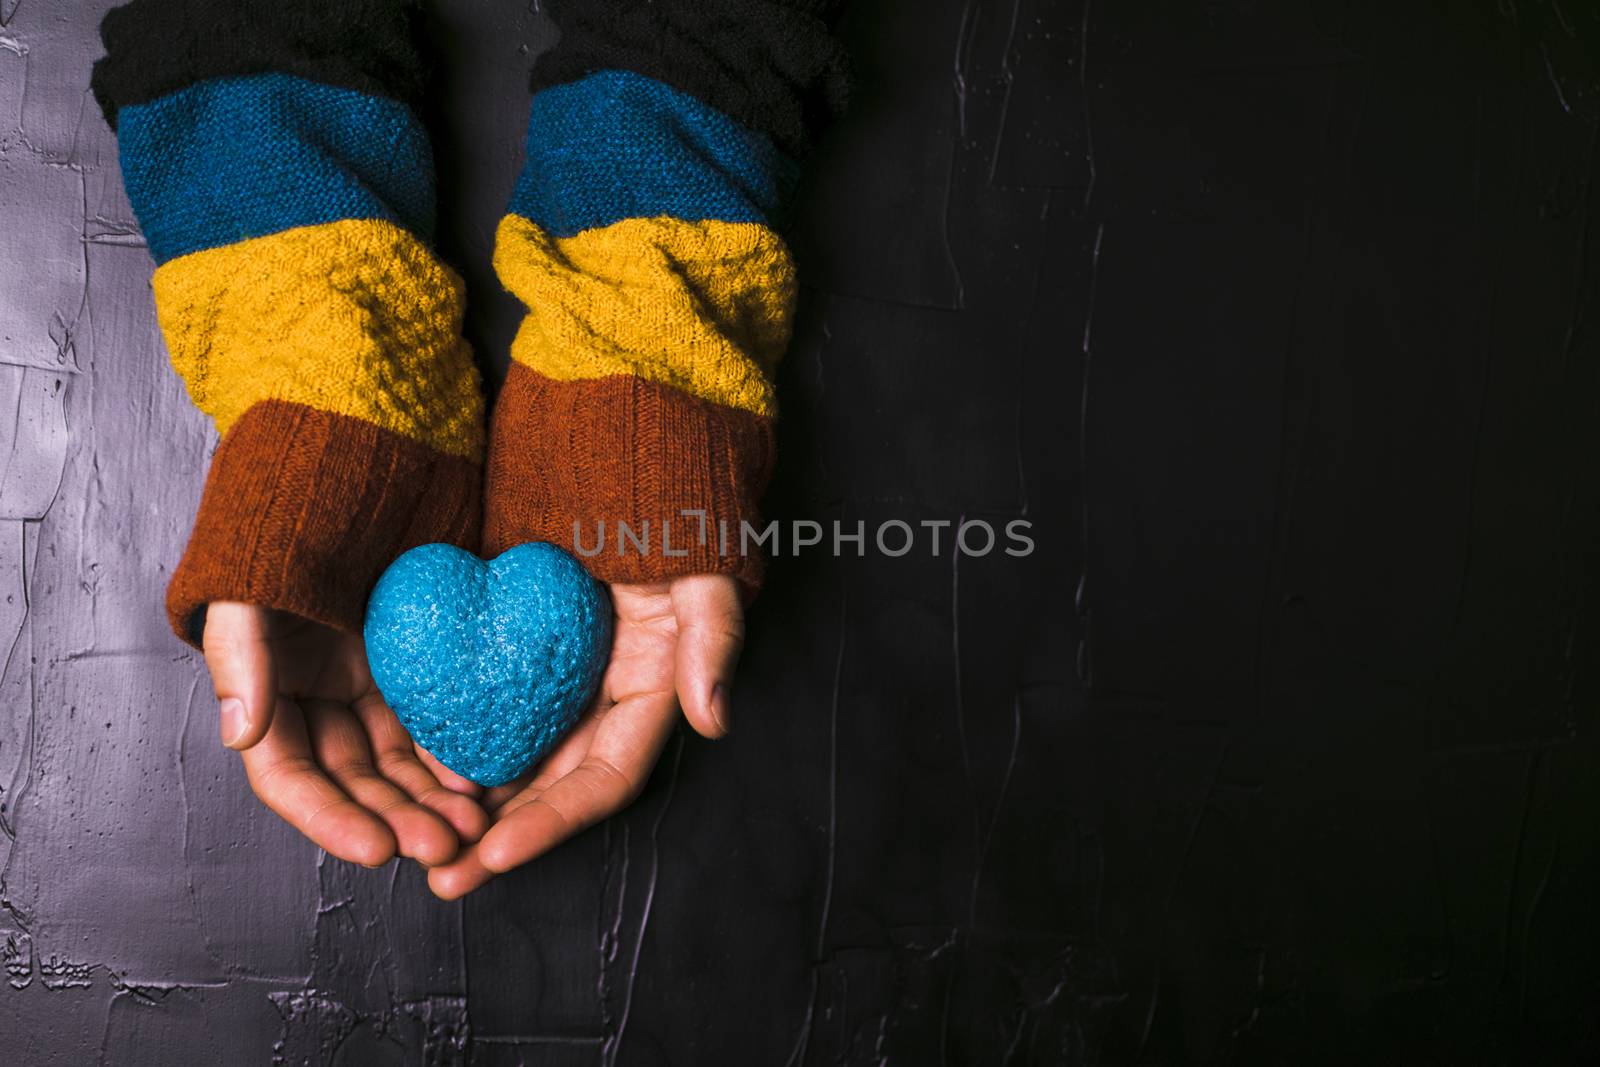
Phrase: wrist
(303, 509)
(640, 481)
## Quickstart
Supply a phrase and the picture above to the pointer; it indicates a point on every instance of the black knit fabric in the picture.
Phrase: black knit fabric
(154, 47)
(773, 65)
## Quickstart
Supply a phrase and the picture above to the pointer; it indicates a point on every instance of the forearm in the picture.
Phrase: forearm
(644, 237)
(285, 188)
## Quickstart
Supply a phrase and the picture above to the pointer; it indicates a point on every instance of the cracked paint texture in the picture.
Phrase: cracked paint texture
(1275, 321)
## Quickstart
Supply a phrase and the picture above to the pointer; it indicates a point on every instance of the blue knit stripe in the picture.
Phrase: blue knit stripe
(228, 159)
(617, 145)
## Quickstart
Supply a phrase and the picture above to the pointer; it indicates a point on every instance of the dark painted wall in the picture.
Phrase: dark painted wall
(1276, 320)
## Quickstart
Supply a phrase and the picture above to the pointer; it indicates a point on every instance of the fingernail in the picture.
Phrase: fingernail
(719, 706)
(234, 723)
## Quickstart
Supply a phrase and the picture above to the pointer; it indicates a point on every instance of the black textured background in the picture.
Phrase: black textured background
(1274, 319)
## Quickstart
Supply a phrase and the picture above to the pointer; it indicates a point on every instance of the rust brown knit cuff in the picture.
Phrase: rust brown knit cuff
(641, 481)
(303, 510)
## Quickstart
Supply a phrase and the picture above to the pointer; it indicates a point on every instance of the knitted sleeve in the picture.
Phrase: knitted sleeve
(285, 189)
(636, 423)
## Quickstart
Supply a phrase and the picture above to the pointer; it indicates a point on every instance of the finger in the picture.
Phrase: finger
(340, 744)
(399, 760)
(286, 778)
(466, 872)
(710, 637)
(239, 657)
(446, 777)
(464, 814)
(460, 876)
(496, 797)
(625, 747)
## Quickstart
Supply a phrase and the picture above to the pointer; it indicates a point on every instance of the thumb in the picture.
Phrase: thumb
(239, 656)
(710, 637)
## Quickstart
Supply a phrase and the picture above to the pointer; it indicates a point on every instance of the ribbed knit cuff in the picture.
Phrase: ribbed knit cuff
(641, 481)
(303, 509)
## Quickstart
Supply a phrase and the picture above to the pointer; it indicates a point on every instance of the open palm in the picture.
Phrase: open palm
(322, 749)
(676, 644)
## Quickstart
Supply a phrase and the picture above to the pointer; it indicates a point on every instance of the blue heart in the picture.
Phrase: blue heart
(488, 665)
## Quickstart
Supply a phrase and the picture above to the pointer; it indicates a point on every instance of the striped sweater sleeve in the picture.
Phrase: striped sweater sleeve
(643, 237)
(285, 188)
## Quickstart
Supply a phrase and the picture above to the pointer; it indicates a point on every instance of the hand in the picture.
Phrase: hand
(323, 750)
(676, 644)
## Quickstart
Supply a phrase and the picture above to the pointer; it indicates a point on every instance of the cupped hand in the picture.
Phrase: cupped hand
(323, 750)
(675, 645)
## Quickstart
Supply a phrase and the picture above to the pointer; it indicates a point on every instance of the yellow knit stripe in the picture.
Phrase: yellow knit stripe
(705, 307)
(354, 317)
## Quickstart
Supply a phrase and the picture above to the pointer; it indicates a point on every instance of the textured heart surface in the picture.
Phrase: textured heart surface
(488, 664)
